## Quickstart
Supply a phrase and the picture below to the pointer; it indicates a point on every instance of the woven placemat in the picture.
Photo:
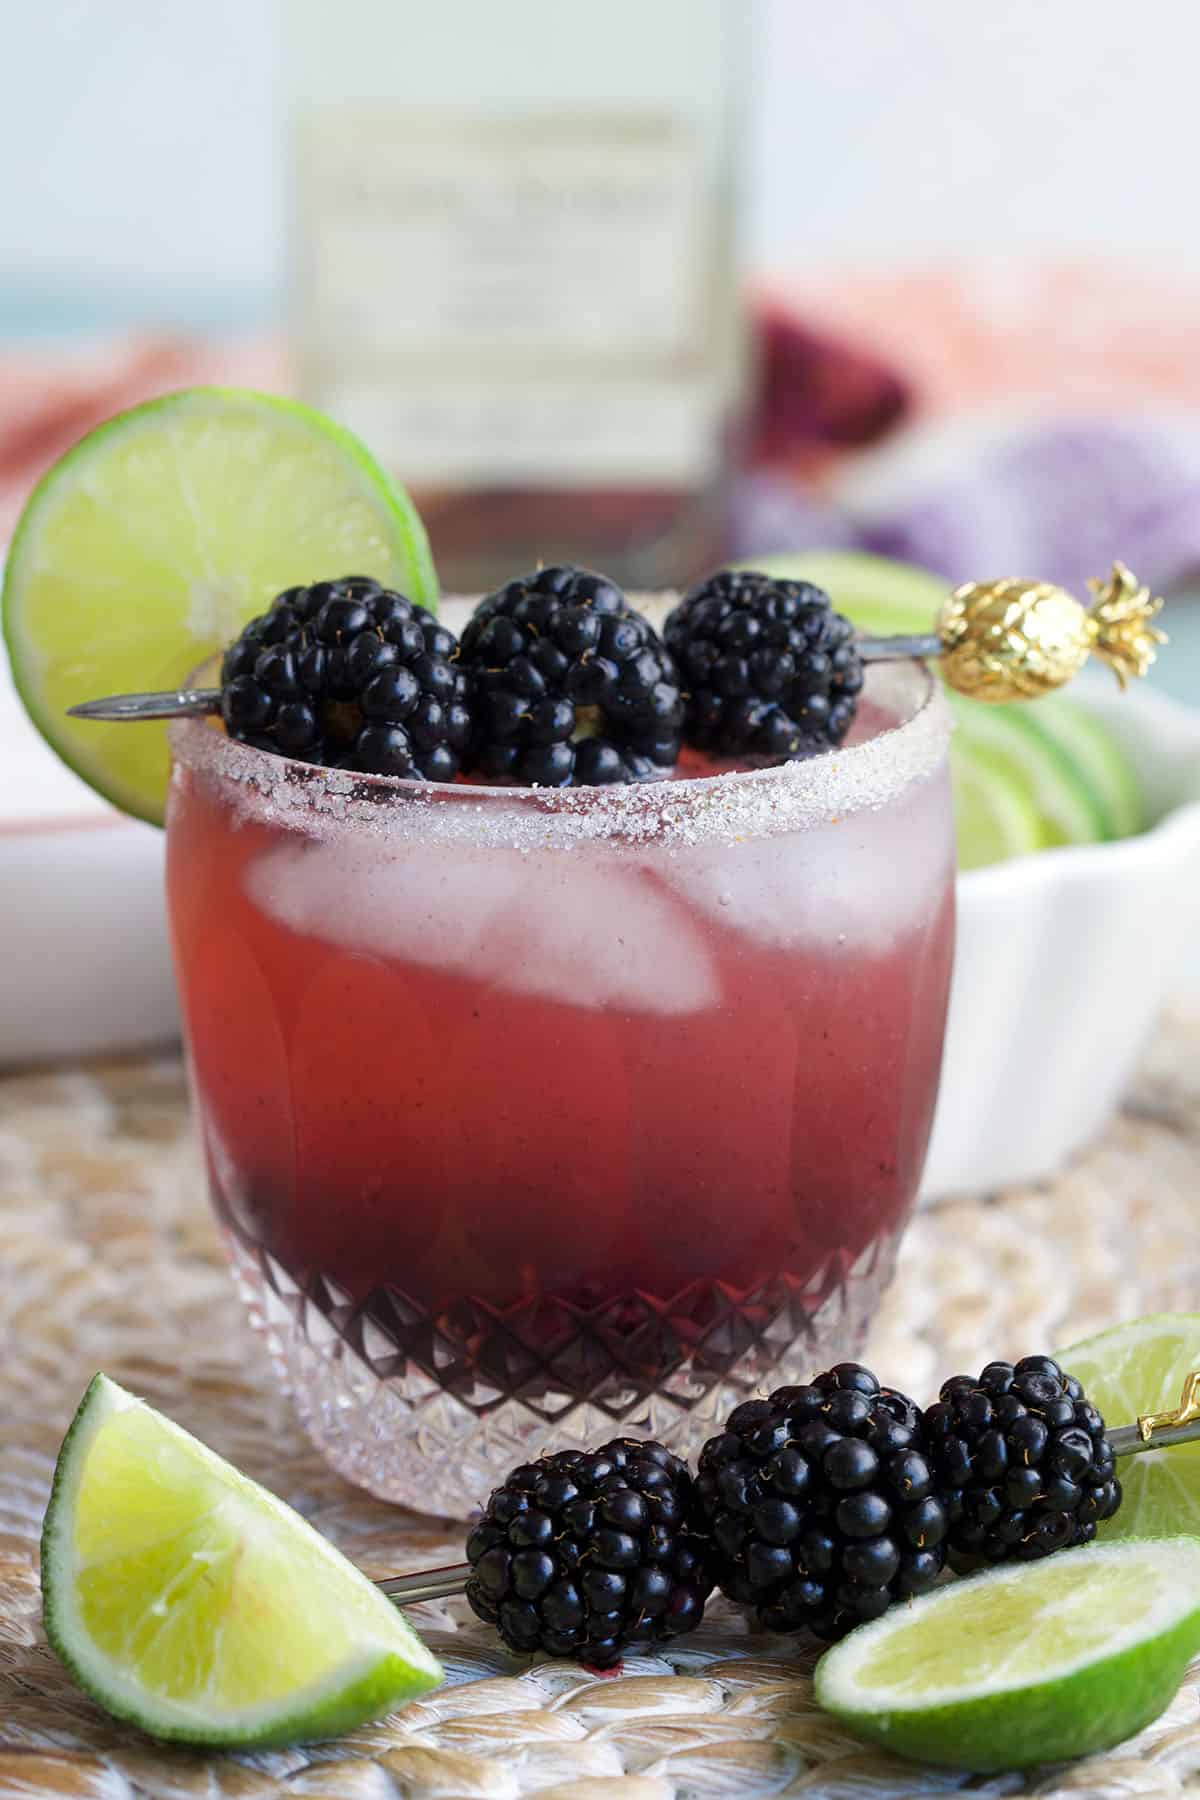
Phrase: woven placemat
(108, 1259)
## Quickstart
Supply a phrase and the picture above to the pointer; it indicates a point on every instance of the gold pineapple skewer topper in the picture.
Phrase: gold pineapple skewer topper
(996, 640)
(1016, 640)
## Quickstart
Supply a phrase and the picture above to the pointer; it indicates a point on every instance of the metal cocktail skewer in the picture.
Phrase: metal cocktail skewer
(185, 703)
(196, 703)
(1153, 1431)
(426, 1584)
(996, 640)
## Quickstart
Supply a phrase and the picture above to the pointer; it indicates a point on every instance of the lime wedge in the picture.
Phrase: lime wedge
(153, 541)
(994, 814)
(1134, 1369)
(1062, 800)
(190, 1602)
(1026, 1664)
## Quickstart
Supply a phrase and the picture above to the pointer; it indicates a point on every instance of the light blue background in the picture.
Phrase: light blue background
(141, 166)
(142, 169)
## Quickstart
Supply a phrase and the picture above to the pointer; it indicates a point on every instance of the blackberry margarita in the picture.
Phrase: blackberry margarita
(544, 1113)
(534, 1115)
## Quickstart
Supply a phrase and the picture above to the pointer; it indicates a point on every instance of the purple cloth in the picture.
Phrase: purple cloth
(1057, 502)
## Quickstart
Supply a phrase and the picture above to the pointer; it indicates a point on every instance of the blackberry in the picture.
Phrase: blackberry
(1022, 1462)
(584, 1553)
(351, 674)
(822, 1503)
(768, 668)
(572, 687)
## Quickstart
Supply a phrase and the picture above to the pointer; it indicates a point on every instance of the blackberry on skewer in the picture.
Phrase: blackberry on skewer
(768, 668)
(1022, 1461)
(352, 674)
(571, 686)
(822, 1503)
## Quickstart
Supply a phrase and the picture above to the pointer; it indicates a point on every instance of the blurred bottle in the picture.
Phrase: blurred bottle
(513, 269)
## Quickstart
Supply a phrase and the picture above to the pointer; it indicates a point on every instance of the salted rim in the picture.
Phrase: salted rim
(752, 803)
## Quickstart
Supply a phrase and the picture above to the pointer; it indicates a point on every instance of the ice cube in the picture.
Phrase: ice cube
(586, 927)
(864, 882)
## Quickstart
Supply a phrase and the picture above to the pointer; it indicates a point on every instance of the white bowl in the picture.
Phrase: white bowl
(85, 963)
(84, 960)
(1063, 962)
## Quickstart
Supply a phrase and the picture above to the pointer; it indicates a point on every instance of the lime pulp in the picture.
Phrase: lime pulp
(1028, 1663)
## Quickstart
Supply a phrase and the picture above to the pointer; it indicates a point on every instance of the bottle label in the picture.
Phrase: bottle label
(518, 303)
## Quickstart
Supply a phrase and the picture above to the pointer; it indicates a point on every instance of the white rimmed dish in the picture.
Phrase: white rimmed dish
(1064, 960)
(85, 966)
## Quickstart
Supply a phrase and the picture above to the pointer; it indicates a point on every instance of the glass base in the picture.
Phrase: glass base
(433, 1412)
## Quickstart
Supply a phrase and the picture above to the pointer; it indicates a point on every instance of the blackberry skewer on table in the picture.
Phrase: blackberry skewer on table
(818, 1507)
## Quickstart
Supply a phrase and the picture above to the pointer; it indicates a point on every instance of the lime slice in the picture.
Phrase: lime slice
(1097, 758)
(1134, 1369)
(192, 1603)
(1026, 1664)
(150, 544)
(994, 814)
(1061, 799)
(882, 597)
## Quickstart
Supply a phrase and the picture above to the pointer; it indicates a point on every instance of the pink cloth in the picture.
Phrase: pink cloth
(814, 391)
(49, 398)
(1061, 337)
(1070, 392)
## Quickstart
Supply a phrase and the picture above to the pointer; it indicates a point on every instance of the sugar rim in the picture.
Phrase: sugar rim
(748, 803)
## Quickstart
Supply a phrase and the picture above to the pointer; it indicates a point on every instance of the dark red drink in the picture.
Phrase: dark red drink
(543, 1114)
